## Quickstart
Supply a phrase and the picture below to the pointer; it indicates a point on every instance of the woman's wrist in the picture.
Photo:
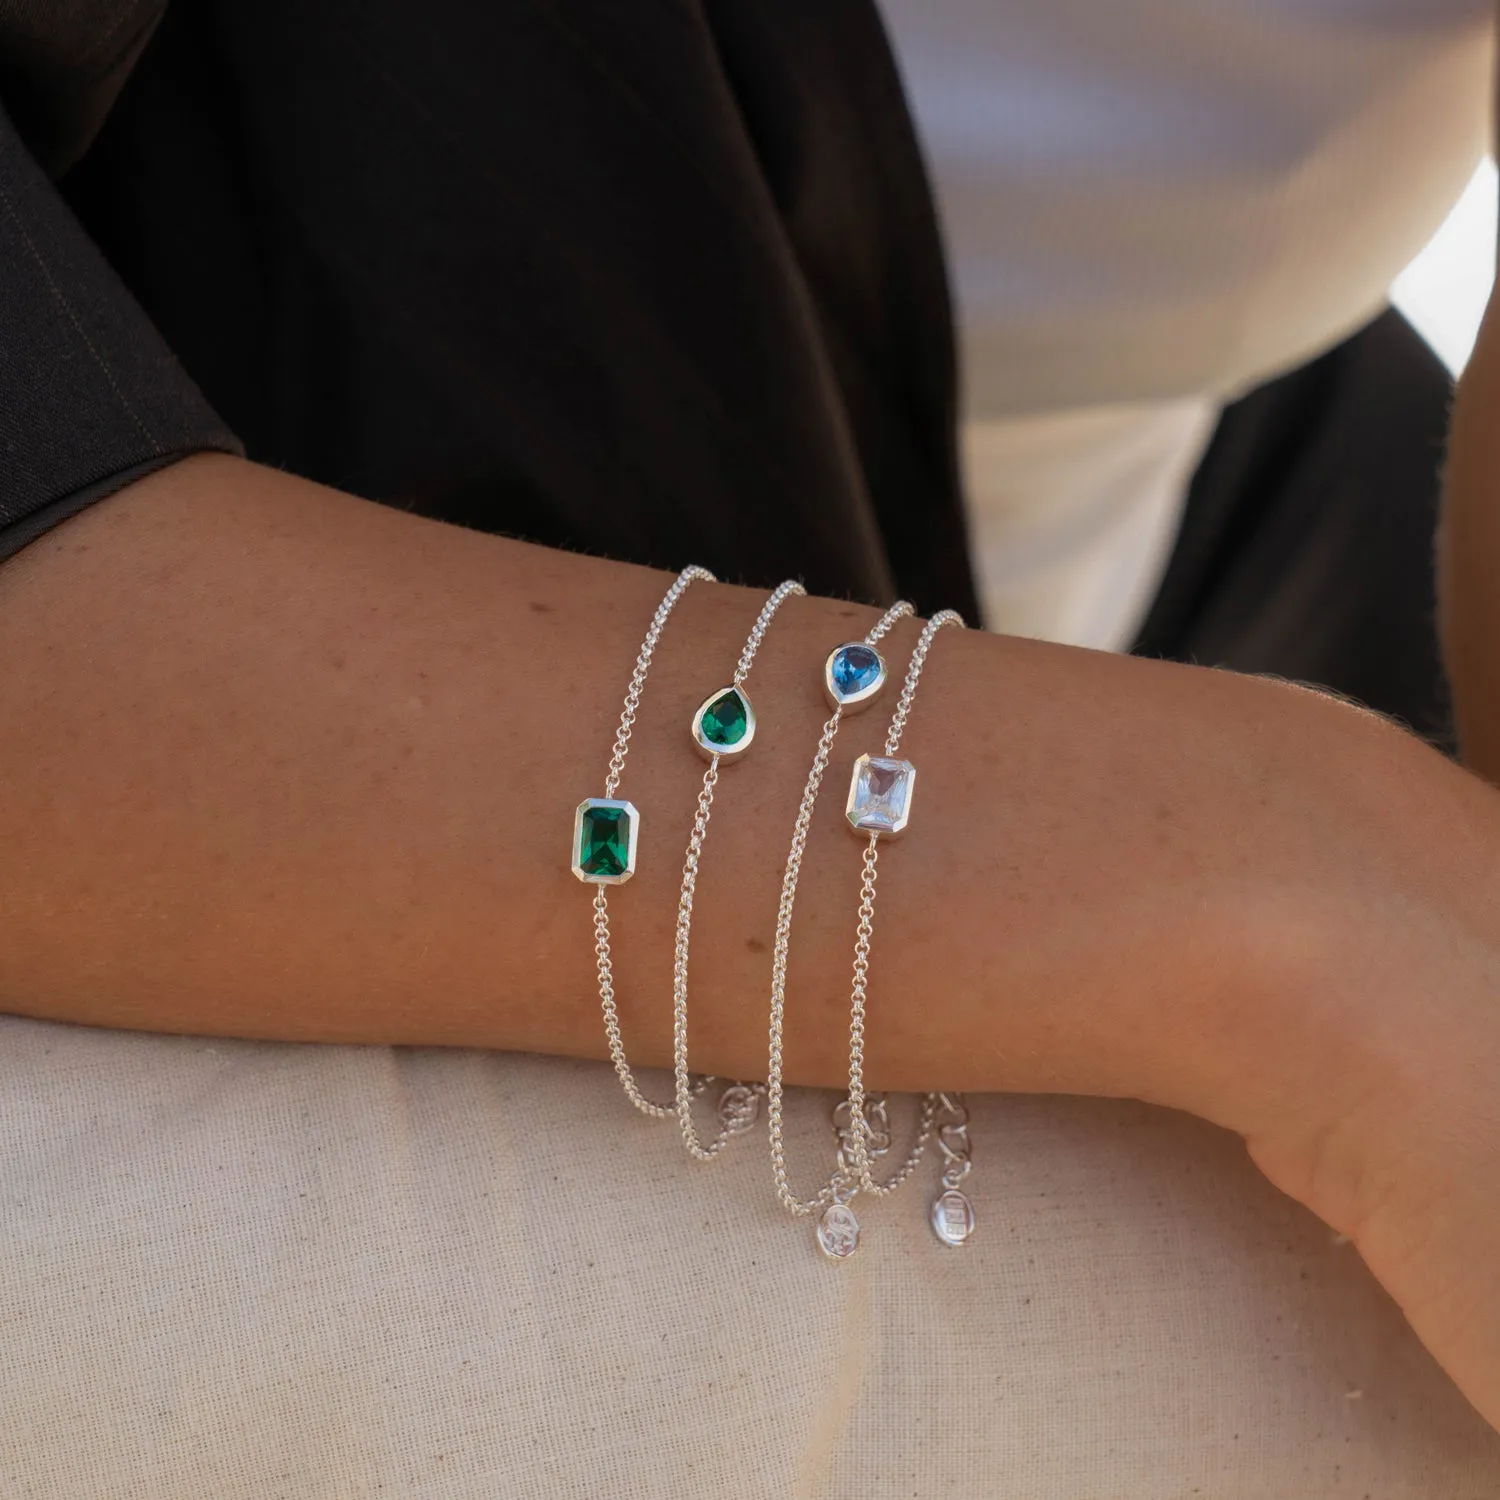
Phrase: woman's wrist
(1120, 882)
(1370, 939)
(1391, 1131)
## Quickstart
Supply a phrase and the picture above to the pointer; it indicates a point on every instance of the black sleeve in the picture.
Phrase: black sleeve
(90, 396)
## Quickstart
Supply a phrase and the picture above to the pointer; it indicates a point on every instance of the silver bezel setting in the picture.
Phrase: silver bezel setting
(630, 845)
(724, 752)
(896, 829)
(852, 702)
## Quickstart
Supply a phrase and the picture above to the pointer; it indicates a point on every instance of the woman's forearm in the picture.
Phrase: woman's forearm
(275, 762)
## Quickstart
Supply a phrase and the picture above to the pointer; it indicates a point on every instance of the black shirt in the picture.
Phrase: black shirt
(659, 281)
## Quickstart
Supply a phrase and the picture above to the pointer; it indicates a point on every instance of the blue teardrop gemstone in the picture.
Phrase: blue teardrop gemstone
(854, 669)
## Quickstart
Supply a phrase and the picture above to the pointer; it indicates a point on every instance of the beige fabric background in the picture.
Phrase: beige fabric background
(256, 1270)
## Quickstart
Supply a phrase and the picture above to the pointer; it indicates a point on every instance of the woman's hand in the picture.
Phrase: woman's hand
(1401, 964)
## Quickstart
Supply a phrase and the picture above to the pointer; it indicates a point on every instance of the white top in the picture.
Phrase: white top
(1150, 206)
(241, 1270)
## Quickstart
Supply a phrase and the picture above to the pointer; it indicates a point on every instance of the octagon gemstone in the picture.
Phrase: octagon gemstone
(880, 794)
(604, 835)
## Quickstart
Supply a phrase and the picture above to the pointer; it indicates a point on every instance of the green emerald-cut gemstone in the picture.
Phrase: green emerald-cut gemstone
(725, 719)
(605, 833)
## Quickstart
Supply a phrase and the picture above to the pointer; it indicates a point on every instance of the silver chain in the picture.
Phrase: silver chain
(611, 786)
(861, 1121)
(953, 1140)
(826, 1194)
(859, 1152)
(690, 1137)
(879, 1140)
(914, 673)
(642, 666)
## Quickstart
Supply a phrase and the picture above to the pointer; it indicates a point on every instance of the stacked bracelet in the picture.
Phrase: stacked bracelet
(722, 729)
(879, 804)
(606, 833)
(853, 674)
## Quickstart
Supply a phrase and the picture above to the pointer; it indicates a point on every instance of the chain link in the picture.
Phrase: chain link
(878, 1137)
(953, 1139)
(914, 674)
(690, 1136)
(612, 1017)
(802, 1207)
(642, 666)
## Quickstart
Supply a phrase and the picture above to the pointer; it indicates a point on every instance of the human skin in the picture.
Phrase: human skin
(1468, 555)
(276, 762)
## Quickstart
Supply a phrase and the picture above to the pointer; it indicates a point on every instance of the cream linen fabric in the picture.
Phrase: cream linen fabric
(243, 1271)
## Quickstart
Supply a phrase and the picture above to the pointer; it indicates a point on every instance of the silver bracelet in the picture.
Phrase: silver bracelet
(722, 729)
(879, 804)
(853, 674)
(605, 834)
(605, 839)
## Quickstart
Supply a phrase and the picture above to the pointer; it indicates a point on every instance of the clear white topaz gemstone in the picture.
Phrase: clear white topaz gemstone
(880, 794)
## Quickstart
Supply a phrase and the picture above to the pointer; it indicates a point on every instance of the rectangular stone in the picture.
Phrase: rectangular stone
(880, 795)
(604, 839)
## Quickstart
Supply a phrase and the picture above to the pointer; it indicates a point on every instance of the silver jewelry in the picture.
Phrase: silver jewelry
(879, 804)
(605, 833)
(852, 675)
(838, 1228)
(952, 1215)
(723, 727)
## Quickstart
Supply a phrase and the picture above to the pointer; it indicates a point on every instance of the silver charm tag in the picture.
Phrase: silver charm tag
(739, 1109)
(952, 1217)
(838, 1232)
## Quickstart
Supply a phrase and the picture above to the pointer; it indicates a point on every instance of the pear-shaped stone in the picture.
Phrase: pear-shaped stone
(855, 668)
(725, 722)
(853, 675)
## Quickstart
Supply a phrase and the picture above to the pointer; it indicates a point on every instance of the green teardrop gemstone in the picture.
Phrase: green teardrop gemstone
(725, 720)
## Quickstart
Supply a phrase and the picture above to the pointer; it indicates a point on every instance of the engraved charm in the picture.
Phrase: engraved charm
(952, 1217)
(739, 1109)
(838, 1232)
